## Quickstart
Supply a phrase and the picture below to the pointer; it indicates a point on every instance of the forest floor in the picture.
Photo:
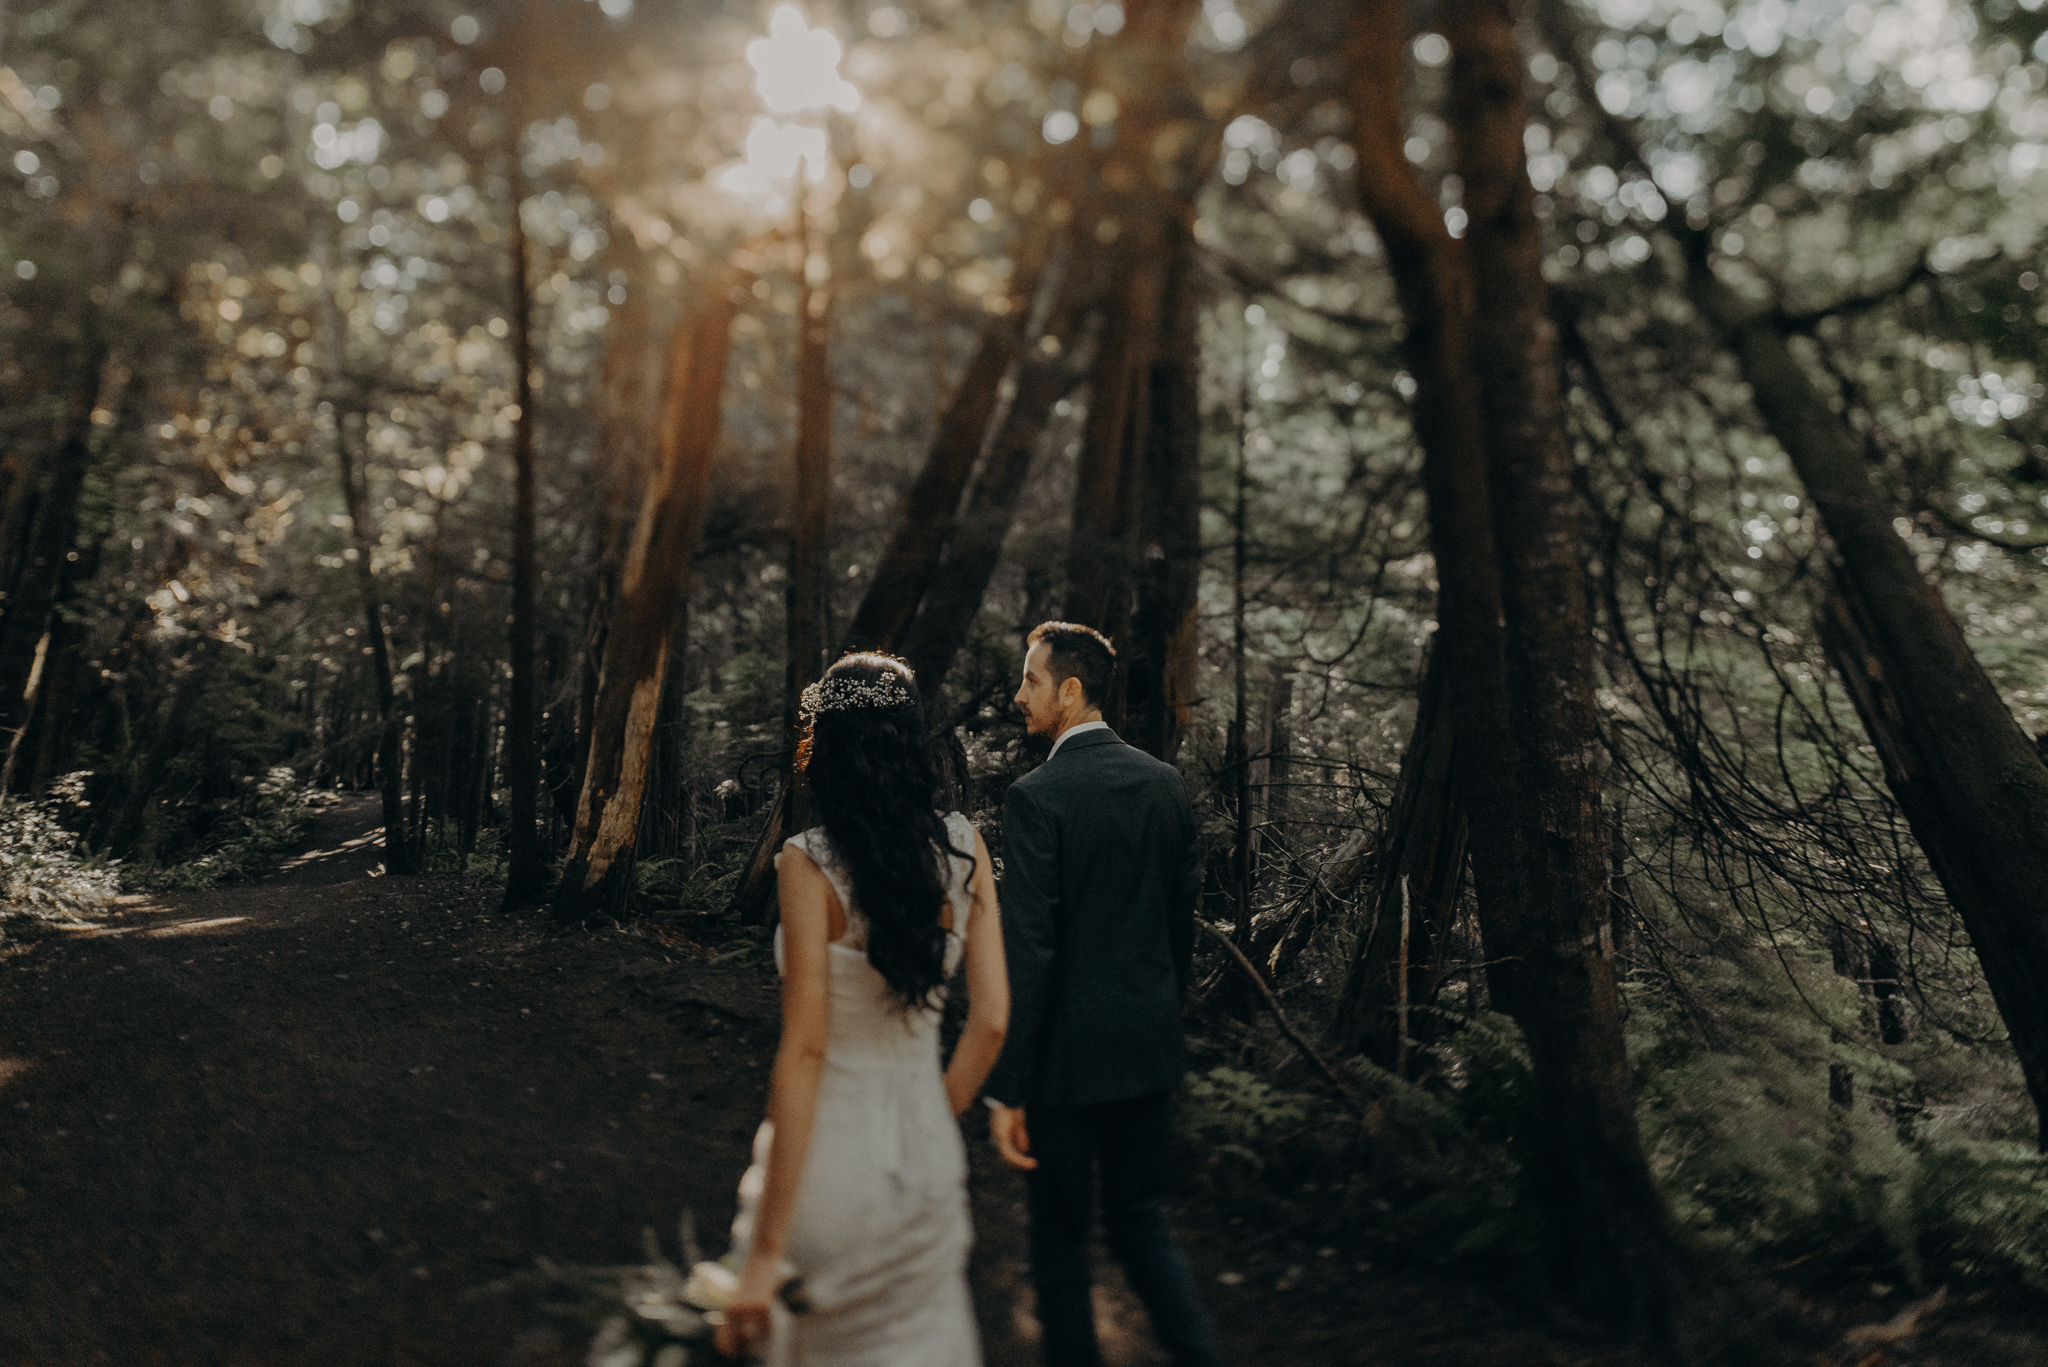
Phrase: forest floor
(305, 1119)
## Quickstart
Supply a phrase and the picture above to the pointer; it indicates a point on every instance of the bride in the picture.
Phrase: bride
(859, 1182)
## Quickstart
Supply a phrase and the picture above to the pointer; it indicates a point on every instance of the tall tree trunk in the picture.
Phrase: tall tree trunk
(809, 552)
(1422, 845)
(1159, 652)
(810, 533)
(18, 483)
(1487, 451)
(400, 855)
(657, 568)
(1098, 549)
(665, 827)
(1973, 786)
(1237, 749)
(1606, 1222)
(1964, 765)
(909, 564)
(526, 871)
(55, 685)
(1966, 844)
(954, 599)
(1609, 1241)
(1276, 791)
(127, 835)
(32, 597)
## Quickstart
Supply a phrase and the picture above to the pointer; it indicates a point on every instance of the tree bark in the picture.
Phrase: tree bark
(127, 836)
(1961, 841)
(400, 856)
(32, 597)
(526, 871)
(1424, 842)
(1957, 756)
(1098, 548)
(657, 569)
(810, 533)
(1609, 1242)
(1159, 650)
(665, 827)
(1237, 748)
(1496, 468)
(907, 568)
(954, 598)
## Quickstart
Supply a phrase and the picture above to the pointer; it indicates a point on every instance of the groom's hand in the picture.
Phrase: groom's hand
(1013, 1141)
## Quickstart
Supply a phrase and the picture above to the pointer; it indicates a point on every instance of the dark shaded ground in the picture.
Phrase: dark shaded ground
(294, 1121)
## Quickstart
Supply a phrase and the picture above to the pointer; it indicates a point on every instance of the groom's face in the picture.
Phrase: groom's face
(1038, 697)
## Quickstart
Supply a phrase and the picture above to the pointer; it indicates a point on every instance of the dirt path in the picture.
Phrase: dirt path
(294, 1121)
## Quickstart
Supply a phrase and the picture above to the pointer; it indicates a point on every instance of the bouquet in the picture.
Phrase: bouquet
(651, 1314)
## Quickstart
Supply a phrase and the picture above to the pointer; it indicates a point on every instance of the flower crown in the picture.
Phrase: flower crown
(842, 693)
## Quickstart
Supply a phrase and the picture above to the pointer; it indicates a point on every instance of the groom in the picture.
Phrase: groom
(1098, 899)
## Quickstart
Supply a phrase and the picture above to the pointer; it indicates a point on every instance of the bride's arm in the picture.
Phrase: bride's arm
(988, 991)
(799, 1065)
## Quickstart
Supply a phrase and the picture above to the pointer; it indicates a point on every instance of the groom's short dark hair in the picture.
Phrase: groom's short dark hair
(1073, 651)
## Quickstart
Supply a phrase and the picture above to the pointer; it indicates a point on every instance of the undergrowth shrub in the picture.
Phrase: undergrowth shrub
(243, 834)
(1981, 1211)
(1417, 1182)
(42, 873)
(1756, 1157)
(486, 859)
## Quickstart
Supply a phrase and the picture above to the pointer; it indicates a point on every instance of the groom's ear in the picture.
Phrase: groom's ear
(1072, 694)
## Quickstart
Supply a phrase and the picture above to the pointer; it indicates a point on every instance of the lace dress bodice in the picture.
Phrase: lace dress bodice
(880, 1230)
(868, 1023)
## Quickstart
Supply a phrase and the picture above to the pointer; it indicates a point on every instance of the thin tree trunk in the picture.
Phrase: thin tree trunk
(1424, 843)
(17, 509)
(53, 692)
(809, 552)
(656, 571)
(1239, 758)
(810, 533)
(25, 630)
(400, 856)
(526, 872)
(1159, 653)
(1277, 790)
(1098, 550)
(665, 826)
(127, 837)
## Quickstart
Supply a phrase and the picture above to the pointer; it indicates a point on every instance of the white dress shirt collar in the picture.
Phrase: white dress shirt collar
(1075, 731)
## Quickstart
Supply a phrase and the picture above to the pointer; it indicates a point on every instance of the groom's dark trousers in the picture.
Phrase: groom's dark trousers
(1098, 895)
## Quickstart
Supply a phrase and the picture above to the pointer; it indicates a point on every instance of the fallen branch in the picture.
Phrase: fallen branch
(1351, 1102)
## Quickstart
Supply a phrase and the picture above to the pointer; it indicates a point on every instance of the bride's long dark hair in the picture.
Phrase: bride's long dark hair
(874, 786)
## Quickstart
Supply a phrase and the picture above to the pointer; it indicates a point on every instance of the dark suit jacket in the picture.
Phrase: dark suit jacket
(1098, 901)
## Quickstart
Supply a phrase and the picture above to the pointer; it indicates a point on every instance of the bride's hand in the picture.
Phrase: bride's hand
(745, 1330)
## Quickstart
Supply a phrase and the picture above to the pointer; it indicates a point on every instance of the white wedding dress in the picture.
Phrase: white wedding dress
(880, 1231)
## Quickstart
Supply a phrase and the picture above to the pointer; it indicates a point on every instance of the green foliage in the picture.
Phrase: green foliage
(1756, 1158)
(1982, 1210)
(1238, 1124)
(42, 873)
(485, 860)
(1414, 1183)
(244, 834)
